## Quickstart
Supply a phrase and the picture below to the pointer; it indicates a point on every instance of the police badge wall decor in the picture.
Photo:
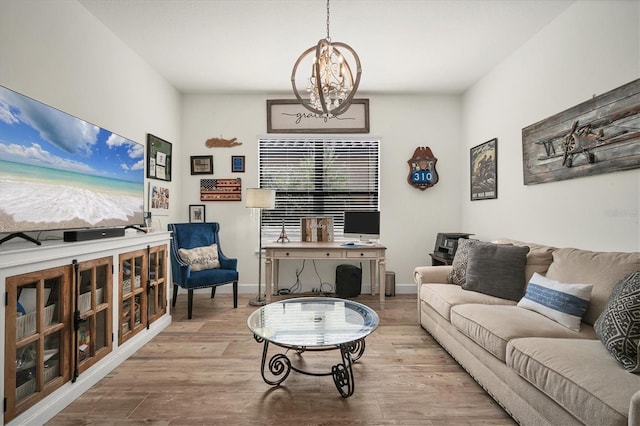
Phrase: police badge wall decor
(422, 169)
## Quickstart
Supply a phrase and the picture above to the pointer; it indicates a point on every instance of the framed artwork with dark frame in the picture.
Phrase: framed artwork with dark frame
(197, 213)
(484, 171)
(237, 163)
(158, 158)
(201, 164)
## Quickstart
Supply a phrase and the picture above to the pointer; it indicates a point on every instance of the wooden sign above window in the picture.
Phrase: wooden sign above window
(289, 116)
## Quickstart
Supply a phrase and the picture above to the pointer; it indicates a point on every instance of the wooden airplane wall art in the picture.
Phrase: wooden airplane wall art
(600, 135)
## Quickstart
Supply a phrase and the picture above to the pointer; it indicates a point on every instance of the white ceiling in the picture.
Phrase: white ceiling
(428, 46)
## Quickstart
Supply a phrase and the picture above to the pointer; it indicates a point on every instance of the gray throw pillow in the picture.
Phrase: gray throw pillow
(618, 326)
(497, 270)
(459, 272)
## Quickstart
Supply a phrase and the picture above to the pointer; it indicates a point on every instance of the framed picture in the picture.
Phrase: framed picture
(202, 164)
(597, 136)
(237, 163)
(484, 171)
(289, 116)
(158, 200)
(221, 189)
(158, 158)
(197, 213)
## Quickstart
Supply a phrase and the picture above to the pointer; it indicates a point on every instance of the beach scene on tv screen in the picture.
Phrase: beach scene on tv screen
(60, 172)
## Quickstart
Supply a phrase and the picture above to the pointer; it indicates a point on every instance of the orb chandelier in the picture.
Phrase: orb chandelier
(331, 86)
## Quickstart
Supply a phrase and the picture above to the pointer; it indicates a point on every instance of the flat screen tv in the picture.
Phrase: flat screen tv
(362, 225)
(59, 172)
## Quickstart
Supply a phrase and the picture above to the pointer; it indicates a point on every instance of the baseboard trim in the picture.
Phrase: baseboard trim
(253, 289)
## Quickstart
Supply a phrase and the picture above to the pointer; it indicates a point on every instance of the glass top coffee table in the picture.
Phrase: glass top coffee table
(313, 324)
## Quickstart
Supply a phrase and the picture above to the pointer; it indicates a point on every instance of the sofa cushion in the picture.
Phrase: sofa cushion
(539, 257)
(602, 269)
(492, 327)
(442, 297)
(563, 303)
(201, 258)
(458, 274)
(579, 374)
(496, 270)
(618, 327)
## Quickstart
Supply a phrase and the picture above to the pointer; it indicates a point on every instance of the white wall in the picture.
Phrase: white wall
(410, 218)
(59, 54)
(593, 47)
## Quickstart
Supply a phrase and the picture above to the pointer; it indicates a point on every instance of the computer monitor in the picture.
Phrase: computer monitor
(362, 225)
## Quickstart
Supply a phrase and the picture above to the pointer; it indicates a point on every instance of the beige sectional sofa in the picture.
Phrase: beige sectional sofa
(540, 371)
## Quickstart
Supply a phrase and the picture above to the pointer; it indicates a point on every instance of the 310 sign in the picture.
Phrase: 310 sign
(421, 176)
(422, 169)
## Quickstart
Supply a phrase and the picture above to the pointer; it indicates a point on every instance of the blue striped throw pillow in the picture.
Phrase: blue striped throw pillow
(564, 303)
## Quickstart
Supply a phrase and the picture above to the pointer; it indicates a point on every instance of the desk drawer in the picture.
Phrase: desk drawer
(308, 254)
(361, 254)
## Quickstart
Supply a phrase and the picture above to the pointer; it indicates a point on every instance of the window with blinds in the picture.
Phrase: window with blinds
(317, 177)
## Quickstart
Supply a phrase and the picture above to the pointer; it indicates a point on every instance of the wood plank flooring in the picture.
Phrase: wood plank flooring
(206, 371)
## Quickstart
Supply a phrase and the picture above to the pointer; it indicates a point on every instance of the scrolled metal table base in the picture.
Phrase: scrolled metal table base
(279, 366)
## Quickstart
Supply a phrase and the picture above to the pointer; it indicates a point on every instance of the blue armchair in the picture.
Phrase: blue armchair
(192, 235)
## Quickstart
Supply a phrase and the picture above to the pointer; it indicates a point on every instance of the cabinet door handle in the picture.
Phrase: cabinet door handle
(328, 254)
(287, 254)
(361, 254)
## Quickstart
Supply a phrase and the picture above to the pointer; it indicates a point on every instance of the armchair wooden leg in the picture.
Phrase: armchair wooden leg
(189, 304)
(175, 295)
(235, 294)
(213, 292)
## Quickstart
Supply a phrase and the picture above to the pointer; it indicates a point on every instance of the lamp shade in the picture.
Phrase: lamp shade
(261, 198)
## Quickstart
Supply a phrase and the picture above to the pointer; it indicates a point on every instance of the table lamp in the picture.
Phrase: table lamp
(260, 198)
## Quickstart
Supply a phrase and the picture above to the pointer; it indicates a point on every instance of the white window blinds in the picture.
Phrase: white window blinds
(317, 177)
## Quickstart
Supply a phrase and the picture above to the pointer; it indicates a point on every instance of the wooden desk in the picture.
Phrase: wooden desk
(375, 253)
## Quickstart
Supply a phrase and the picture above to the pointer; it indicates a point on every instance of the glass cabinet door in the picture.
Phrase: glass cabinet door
(93, 304)
(37, 348)
(132, 287)
(157, 282)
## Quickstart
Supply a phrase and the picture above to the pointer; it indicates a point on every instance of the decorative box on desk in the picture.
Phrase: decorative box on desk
(316, 229)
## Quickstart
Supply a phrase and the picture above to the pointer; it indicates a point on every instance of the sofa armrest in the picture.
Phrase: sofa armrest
(431, 274)
(634, 409)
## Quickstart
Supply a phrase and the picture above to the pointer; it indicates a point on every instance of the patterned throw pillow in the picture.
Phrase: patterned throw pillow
(566, 304)
(618, 327)
(201, 258)
(458, 274)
